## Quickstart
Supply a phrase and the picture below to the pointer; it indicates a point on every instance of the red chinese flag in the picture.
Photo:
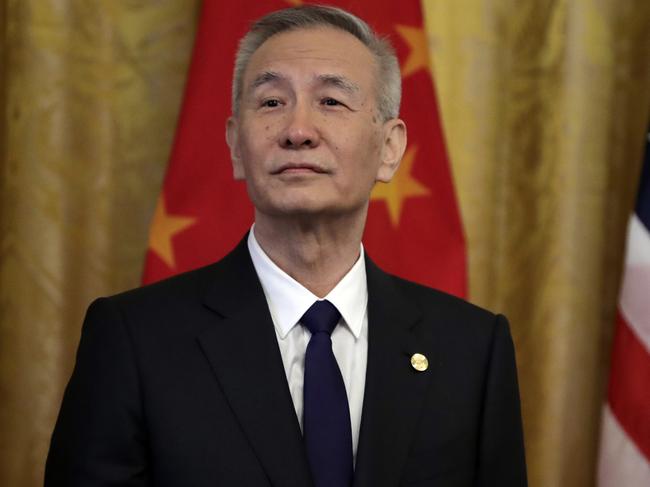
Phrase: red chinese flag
(413, 227)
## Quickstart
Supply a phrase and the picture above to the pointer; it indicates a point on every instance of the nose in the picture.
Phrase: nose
(300, 131)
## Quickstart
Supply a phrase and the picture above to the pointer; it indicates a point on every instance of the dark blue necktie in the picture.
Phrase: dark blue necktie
(326, 416)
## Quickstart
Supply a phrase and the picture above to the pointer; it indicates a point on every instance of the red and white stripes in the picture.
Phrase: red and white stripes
(625, 439)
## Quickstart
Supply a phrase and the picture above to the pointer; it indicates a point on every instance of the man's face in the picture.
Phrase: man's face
(308, 138)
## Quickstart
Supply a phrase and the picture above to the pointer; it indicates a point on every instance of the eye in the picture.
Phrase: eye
(330, 102)
(270, 103)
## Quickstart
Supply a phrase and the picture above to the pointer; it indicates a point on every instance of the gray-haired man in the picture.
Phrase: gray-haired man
(211, 378)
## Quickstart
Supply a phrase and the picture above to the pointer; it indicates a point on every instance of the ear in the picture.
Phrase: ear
(232, 138)
(394, 144)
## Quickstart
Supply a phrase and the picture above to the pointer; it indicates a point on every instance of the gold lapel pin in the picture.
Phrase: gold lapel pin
(419, 362)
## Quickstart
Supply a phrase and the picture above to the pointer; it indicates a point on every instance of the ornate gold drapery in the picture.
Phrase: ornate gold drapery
(544, 104)
(92, 90)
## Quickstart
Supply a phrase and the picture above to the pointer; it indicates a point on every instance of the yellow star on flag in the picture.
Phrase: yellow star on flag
(418, 57)
(295, 3)
(163, 228)
(402, 186)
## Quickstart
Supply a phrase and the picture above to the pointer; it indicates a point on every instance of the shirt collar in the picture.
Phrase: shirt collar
(288, 299)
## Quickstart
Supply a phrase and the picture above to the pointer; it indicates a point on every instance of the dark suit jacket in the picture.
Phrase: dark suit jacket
(181, 384)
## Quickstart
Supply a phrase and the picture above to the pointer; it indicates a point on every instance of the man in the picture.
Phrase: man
(232, 374)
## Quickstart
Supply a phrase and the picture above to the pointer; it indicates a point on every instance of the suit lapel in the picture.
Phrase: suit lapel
(394, 392)
(243, 352)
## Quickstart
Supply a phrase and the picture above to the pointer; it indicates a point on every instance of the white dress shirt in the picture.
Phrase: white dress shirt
(288, 300)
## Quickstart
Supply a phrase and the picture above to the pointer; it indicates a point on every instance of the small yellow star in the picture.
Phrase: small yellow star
(403, 186)
(163, 228)
(418, 58)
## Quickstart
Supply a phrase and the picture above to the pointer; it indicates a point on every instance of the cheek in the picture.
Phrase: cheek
(257, 132)
(270, 132)
(254, 147)
(368, 151)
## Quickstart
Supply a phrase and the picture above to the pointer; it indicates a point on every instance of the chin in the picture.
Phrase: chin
(290, 204)
(305, 211)
(308, 203)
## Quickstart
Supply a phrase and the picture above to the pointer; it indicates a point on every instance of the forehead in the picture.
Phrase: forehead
(313, 52)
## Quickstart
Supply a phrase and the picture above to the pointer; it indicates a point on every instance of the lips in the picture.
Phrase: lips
(299, 167)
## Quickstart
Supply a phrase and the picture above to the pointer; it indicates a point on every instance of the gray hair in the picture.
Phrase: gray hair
(389, 81)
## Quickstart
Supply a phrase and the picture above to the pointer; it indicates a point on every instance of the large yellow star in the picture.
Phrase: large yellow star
(163, 229)
(418, 57)
(403, 186)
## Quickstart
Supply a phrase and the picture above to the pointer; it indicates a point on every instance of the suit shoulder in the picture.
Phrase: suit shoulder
(167, 311)
(430, 300)
(466, 329)
(185, 286)
(190, 285)
(183, 301)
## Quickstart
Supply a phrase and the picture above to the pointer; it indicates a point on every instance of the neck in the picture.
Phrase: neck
(316, 252)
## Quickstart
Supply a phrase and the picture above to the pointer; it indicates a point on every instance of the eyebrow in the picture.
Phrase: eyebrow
(266, 77)
(334, 80)
(338, 81)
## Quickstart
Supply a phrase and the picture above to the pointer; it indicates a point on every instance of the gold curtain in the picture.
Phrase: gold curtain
(544, 104)
(91, 94)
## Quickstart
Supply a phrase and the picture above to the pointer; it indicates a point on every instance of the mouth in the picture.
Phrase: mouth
(299, 168)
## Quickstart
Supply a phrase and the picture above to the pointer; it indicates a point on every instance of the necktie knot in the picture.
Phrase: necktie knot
(322, 316)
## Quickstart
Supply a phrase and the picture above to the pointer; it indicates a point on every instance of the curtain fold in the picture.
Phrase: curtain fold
(91, 93)
(545, 106)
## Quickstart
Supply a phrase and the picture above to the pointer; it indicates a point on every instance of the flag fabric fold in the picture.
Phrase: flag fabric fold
(413, 229)
(625, 438)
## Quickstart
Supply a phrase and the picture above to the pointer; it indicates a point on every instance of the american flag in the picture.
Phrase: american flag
(625, 439)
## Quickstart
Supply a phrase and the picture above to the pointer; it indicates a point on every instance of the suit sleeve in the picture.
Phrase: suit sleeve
(501, 446)
(99, 437)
